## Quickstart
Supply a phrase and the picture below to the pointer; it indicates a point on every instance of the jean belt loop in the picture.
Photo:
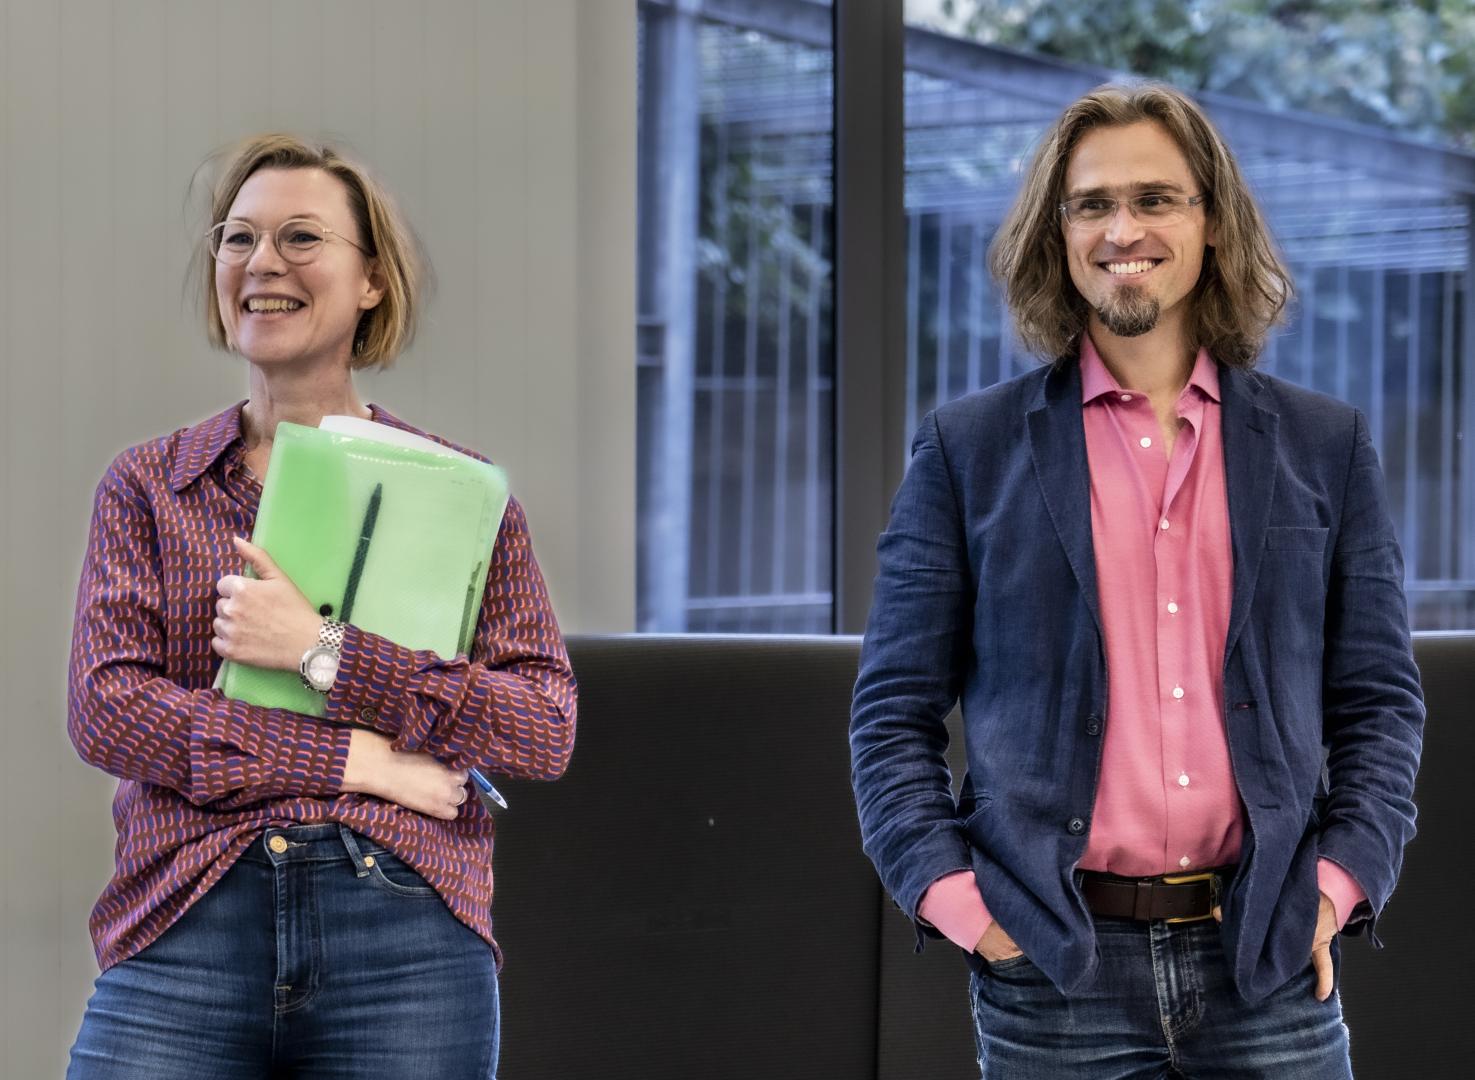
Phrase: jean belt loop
(350, 842)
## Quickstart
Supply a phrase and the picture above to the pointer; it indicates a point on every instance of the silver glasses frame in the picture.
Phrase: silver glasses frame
(1179, 207)
(329, 233)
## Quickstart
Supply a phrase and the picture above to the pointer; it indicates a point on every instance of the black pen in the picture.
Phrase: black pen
(366, 533)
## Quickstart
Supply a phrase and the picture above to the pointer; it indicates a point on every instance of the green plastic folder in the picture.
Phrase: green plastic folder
(421, 544)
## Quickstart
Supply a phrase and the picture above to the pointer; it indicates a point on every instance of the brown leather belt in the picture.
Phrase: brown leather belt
(1175, 898)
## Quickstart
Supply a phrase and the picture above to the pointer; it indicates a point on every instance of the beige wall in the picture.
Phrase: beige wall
(507, 128)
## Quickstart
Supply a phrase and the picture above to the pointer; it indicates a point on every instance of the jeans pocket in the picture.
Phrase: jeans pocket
(393, 875)
(1009, 963)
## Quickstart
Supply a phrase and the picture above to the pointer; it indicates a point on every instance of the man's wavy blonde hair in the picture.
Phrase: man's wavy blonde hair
(1243, 288)
(385, 330)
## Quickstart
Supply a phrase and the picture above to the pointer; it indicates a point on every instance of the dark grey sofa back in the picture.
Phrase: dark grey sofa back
(690, 901)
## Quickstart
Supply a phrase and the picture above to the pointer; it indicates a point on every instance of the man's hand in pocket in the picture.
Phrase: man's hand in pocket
(995, 945)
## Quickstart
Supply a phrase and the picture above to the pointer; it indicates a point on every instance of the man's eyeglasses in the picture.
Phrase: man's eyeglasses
(298, 241)
(1155, 208)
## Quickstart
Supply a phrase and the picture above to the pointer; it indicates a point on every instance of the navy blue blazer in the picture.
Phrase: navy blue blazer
(987, 593)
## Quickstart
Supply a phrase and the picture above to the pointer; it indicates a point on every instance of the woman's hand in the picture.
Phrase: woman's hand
(263, 621)
(413, 780)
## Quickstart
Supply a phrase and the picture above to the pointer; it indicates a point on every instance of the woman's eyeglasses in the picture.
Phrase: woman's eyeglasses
(298, 241)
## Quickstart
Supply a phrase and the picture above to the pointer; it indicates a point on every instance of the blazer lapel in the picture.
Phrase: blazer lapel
(1250, 438)
(1057, 441)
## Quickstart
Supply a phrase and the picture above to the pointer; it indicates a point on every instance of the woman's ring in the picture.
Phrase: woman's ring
(462, 799)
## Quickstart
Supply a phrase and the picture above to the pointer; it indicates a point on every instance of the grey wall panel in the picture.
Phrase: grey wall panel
(606, 290)
(32, 496)
(451, 191)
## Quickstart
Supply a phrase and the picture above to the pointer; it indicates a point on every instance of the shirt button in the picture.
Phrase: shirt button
(369, 715)
(1172, 608)
(1185, 862)
(1076, 826)
(277, 844)
(1183, 780)
(1145, 442)
(1126, 397)
(1177, 691)
(1163, 524)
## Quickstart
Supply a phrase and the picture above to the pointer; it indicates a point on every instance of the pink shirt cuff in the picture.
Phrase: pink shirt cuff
(1340, 887)
(954, 906)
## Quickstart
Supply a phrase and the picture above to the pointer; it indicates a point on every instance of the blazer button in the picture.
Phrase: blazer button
(1093, 725)
(1076, 826)
(369, 715)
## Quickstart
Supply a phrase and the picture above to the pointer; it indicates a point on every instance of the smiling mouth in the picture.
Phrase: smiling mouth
(1130, 268)
(264, 306)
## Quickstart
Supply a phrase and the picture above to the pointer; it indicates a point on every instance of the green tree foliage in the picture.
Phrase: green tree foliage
(756, 190)
(1402, 64)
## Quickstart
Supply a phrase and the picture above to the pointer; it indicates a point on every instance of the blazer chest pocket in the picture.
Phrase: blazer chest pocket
(1296, 538)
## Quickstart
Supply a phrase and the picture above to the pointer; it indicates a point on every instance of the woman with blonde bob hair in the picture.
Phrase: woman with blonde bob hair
(293, 894)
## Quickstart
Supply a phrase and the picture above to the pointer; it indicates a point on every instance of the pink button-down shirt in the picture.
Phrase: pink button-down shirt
(1167, 801)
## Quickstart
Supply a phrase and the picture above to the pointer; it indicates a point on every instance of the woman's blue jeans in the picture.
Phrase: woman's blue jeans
(1162, 1006)
(329, 958)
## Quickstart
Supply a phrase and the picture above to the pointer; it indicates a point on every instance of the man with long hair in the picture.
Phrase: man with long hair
(1167, 592)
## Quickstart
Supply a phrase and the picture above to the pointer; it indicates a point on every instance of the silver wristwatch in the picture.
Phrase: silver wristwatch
(319, 665)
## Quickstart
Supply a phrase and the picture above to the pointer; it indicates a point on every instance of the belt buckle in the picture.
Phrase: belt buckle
(1188, 879)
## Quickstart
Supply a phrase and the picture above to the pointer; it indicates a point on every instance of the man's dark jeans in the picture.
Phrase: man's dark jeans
(1162, 1006)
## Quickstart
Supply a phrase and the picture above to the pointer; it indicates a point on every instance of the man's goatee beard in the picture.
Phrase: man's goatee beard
(1130, 313)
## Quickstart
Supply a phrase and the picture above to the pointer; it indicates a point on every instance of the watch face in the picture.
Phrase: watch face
(322, 668)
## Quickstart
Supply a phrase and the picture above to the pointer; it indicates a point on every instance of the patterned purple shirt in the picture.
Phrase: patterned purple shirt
(201, 776)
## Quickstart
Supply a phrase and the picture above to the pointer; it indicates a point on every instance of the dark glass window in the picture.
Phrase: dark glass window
(735, 425)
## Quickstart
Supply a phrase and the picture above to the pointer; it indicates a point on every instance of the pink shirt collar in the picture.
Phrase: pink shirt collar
(1096, 380)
